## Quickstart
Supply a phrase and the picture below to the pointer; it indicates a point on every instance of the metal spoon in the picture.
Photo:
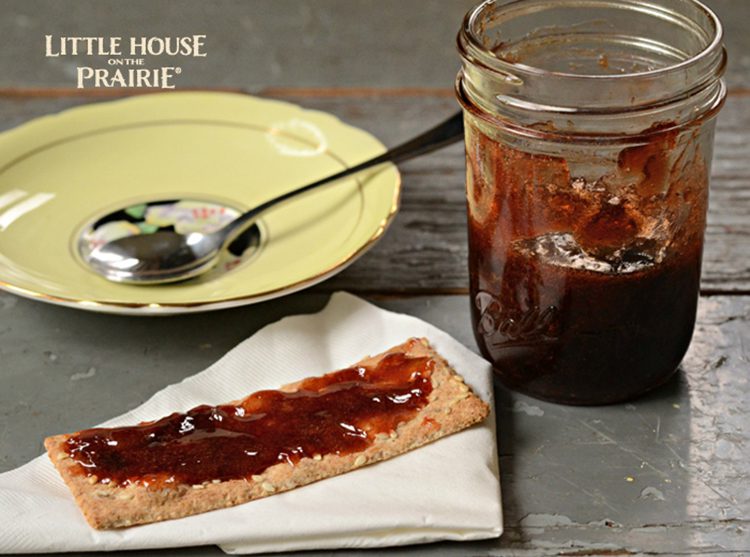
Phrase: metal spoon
(167, 256)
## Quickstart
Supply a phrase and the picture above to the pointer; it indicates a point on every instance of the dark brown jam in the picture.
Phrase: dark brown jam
(585, 292)
(338, 413)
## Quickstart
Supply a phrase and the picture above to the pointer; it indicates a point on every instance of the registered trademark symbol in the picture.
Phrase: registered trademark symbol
(178, 70)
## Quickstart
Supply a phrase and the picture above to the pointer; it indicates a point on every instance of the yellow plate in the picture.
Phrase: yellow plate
(60, 173)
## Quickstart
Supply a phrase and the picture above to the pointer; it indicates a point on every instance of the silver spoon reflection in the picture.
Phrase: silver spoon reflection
(168, 256)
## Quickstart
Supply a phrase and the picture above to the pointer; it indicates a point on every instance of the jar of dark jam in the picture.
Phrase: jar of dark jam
(589, 133)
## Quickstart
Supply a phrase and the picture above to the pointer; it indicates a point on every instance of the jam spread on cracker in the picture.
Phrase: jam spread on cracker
(339, 413)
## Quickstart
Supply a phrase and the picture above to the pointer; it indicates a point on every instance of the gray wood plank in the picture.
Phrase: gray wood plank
(666, 474)
(301, 43)
(425, 250)
(385, 43)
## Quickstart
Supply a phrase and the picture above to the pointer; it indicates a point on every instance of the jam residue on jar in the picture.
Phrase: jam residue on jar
(584, 291)
(338, 413)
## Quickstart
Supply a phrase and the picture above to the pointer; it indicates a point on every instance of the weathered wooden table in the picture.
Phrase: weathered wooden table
(666, 474)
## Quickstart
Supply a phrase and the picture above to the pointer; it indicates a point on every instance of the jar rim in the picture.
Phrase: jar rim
(473, 50)
(602, 139)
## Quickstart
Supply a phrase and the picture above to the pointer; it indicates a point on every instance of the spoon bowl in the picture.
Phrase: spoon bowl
(163, 257)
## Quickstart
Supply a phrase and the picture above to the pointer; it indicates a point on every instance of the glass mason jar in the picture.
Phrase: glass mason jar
(589, 136)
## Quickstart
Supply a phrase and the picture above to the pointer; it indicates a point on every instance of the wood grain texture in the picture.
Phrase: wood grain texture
(564, 470)
(252, 45)
(665, 474)
(302, 43)
(426, 248)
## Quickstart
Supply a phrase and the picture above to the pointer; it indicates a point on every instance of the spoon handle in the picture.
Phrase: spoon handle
(442, 135)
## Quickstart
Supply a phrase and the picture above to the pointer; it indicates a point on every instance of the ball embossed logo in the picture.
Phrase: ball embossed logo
(537, 324)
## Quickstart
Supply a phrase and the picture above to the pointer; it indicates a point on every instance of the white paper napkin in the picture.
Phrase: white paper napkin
(446, 490)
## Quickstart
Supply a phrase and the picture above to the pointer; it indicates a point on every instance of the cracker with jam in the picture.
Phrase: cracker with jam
(213, 457)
